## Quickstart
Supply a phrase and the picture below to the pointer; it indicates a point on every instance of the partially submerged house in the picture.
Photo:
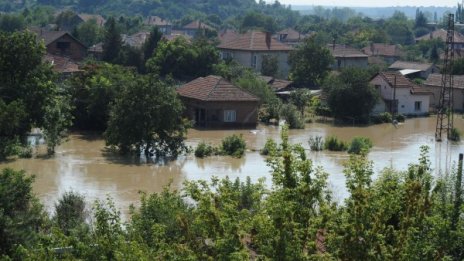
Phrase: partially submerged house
(400, 95)
(388, 53)
(413, 69)
(346, 56)
(434, 85)
(62, 43)
(249, 49)
(213, 102)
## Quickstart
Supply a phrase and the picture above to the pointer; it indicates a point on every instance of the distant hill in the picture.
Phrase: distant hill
(385, 12)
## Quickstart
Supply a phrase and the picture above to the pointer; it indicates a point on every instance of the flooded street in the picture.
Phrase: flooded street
(82, 165)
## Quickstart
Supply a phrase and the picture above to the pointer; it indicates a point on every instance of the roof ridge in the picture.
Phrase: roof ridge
(215, 86)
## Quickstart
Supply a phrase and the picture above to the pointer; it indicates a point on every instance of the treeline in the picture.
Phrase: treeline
(402, 215)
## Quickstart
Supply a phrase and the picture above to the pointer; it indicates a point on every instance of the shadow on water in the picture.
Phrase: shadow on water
(132, 159)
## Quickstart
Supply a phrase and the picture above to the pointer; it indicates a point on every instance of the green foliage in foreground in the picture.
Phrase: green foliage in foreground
(402, 215)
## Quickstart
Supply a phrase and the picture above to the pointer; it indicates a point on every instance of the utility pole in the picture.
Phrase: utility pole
(445, 107)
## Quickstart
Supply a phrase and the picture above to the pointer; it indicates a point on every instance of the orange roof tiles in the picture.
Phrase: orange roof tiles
(214, 88)
(254, 41)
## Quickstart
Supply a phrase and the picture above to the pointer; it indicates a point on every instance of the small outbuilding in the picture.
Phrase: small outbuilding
(213, 102)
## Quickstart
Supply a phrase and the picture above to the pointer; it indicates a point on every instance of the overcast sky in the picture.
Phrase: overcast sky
(370, 3)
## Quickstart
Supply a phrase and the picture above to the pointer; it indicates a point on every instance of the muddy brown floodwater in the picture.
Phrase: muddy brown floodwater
(82, 165)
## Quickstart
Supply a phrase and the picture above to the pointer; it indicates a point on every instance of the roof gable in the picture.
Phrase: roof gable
(51, 36)
(254, 41)
(441, 34)
(214, 88)
(342, 51)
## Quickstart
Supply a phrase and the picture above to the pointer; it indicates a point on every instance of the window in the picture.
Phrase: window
(417, 106)
(227, 56)
(63, 45)
(253, 61)
(229, 116)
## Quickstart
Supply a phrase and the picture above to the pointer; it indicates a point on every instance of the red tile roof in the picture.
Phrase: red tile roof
(290, 34)
(341, 50)
(379, 49)
(50, 36)
(62, 64)
(401, 65)
(435, 80)
(98, 18)
(441, 34)
(400, 81)
(197, 25)
(227, 35)
(157, 21)
(214, 88)
(396, 78)
(255, 41)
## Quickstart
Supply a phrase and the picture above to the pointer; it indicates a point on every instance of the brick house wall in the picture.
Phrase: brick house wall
(212, 114)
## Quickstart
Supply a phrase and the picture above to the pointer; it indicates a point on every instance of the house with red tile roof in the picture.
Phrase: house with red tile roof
(194, 27)
(346, 56)
(62, 65)
(249, 49)
(441, 34)
(213, 102)
(163, 25)
(414, 69)
(400, 95)
(290, 36)
(434, 85)
(61, 43)
(389, 53)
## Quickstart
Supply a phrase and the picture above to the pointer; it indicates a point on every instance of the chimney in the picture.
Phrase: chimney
(268, 40)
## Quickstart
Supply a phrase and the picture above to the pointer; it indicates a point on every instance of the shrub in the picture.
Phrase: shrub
(455, 135)
(360, 145)
(270, 148)
(70, 211)
(332, 143)
(384, 117)
(400, 118)
(292, 116)
(25, 152)
(204, 150)
(316, 143)
(234, 146)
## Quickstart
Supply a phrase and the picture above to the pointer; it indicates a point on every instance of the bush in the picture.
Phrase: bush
(384, 117)
(25, 152)
(70, 211)
(332, 143)
(234, 146)
(292, 116)
(316, 143)
(204, 150)
(400, 118)
(360, 145)
(455, 135)
(270, 148)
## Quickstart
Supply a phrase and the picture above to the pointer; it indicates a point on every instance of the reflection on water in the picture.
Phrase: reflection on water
(83, 165)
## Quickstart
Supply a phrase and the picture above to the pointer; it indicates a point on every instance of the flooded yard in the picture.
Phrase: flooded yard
(82, 165)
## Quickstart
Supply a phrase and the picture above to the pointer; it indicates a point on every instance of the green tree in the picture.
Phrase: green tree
(351, 85)
(11, 23)
(70, 212)
(27, 88)
(151, 43)
(310, 63)
(89, 33)
(183, 60)
(21, 215)
(112, 42)
(145, 118)
(270, 65)
(93, 91)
